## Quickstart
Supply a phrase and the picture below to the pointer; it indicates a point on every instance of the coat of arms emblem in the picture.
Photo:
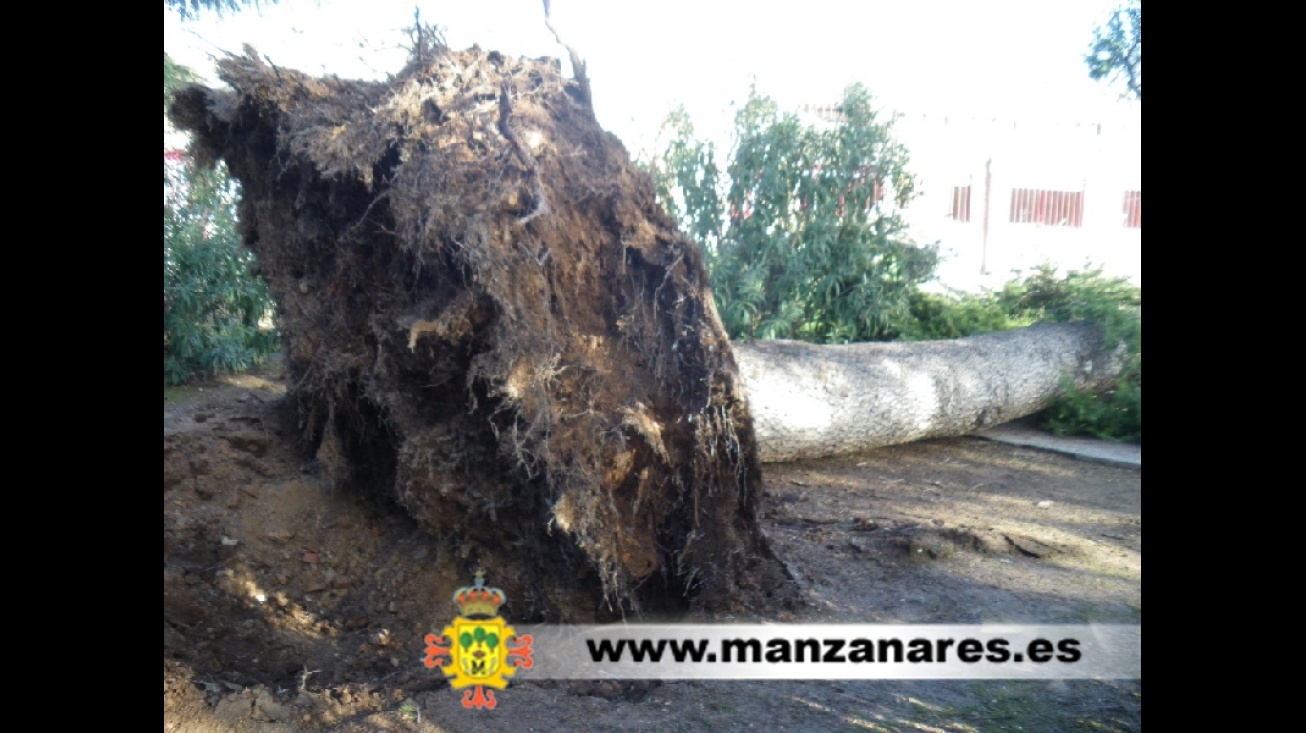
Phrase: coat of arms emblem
(479, 649)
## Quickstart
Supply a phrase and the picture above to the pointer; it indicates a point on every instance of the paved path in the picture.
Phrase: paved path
(1025, 433)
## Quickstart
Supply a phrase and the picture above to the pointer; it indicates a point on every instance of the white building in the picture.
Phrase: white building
(1003, 195)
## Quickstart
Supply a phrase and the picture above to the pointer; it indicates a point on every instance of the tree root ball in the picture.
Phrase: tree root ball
(487, 316)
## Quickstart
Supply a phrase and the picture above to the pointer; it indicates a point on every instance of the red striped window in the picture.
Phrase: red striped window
(1050, 208)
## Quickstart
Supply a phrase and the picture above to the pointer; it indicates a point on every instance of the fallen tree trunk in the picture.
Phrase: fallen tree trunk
(809, 401)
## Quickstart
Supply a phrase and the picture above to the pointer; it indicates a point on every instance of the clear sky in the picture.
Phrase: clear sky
(1015, 59)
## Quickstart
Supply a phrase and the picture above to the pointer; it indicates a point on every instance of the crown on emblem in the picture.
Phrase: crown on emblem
(477, 600)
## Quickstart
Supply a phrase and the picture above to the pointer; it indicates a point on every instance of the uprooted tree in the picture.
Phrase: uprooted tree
(486, 312)
(484, 308)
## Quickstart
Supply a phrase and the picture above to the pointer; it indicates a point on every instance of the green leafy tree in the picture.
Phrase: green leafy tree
(1117, 51)
(212, 305)
(802, 230)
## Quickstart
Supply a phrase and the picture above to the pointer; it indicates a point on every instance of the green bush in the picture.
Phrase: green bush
(213, 306)
(1079, 295)
(1115, 415)
(954, 314)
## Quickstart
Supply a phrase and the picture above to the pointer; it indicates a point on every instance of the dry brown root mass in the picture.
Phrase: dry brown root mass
(487, 315)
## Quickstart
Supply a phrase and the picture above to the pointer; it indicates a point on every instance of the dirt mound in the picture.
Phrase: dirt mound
(488, 317)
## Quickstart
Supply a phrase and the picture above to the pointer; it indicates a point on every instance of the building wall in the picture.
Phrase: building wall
(1099, 162)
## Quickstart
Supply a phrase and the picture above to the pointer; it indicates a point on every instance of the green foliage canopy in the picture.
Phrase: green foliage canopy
(1117, 51)
(802, 229)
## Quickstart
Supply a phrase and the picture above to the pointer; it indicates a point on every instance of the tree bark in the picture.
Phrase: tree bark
(809, 401)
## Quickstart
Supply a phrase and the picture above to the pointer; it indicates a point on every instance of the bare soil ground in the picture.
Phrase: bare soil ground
(291, 608)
